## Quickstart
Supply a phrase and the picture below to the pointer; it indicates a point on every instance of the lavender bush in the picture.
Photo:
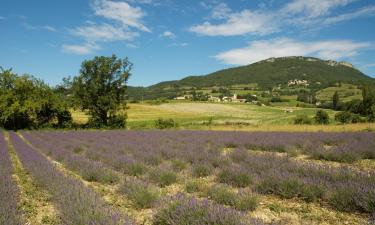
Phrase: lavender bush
(229, 155)
(10, 213)
(76, 203)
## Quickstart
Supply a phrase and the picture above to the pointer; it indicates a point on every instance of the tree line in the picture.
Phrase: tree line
(100, 90)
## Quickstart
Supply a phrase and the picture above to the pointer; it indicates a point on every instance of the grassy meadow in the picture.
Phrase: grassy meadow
(226, 116)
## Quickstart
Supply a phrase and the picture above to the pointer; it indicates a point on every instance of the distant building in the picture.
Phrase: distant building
(185, 97)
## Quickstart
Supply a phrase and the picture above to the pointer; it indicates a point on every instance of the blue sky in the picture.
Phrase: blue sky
(167, 39)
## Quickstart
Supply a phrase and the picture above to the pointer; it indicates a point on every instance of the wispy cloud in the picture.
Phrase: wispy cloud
(102, 33)
(121, 12)
(80, 49)
(260, 50)
(297, 14)
(238, 24)
(123, 23)
(313, 8)
(367, 11)
(45, 27)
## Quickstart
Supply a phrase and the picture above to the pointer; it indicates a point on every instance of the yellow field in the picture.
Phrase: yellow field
(226, 116)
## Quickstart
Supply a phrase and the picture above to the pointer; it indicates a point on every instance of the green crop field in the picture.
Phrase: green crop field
(226, 116)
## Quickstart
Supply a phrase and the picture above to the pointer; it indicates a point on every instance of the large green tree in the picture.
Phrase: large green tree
(26, 102)
(101, 89)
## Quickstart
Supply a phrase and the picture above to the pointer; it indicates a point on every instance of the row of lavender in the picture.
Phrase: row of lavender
(342, 147)
(76, 203)
(341, 187)
(9, 193)
(141, 192)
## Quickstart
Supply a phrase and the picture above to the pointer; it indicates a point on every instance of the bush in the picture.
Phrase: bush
(142, 195)
(194, 186)
(343, 117)
(178, 165)
(246, 202)
(200, 170)
(117, 121)
(222, 195)
(344, 200)
(163, 178)
(135, 169)
(184, 211)
(235, 178)
(302, 119)
(321, 117)
(165, 123)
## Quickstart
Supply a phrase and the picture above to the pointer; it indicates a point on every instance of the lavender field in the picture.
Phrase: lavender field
(193, 177)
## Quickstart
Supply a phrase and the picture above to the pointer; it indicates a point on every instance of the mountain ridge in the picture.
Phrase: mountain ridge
(270, 73)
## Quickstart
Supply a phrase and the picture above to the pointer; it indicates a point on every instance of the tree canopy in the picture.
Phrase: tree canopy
(26, 102)
(101, 90)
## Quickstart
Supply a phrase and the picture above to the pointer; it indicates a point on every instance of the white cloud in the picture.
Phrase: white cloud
(245, 22)
(80, 49)
(368, 11)
(260, 50)
(168, 34)
(121, 12)
(314, 8)
(46, 27)
(296, 14)
(221, 11)
(103, 33)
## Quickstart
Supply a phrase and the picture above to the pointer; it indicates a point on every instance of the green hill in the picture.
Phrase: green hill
(266, 74)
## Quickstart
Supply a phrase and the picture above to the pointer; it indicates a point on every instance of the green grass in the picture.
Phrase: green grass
(227, 116)
(347, 92)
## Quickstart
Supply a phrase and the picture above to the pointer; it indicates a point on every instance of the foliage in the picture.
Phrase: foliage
(26, 102)
(302, 119)
(201, 170)
(344, 117)
(163, 177)
(165, 123)
(235, 178)
(101, 89)
(183, 211)
(140, 193)
(10, 213)
(335, 100)
(321, 117)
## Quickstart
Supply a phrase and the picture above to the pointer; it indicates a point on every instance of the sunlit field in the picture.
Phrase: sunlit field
(226, 116)
(185, 177)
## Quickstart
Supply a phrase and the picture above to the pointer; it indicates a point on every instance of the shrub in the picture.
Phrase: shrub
(200, 170)
(312, 193)
(343, 117)
(142, 195)
(246, 202)
(302, 119)
(165, 123)
(344, 200)
(184, 211)
(193, 186)
(321, 117)
(135, 169)
(178, 165)
(290, 188)
(117, 121)
(235, 178)
(222, 195)
(162, 177)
